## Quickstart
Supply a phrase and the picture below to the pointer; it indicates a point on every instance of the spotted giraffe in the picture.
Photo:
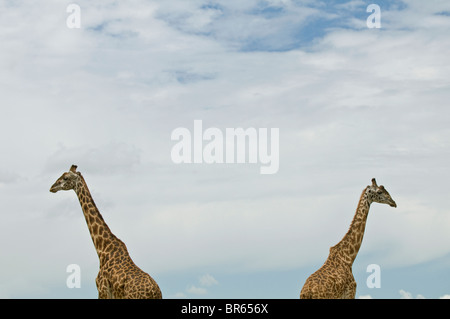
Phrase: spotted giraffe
(118, 277)
(334, 280)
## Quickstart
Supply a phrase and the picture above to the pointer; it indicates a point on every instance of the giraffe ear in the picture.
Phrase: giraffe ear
(73, 169)
(374, 182)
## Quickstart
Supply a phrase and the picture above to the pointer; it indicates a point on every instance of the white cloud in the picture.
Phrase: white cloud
(407, 295)
(208, 280)
(120, 158)
(205, 281)
(253, 25)
(196, 290)
(179, 295)
(8, 177)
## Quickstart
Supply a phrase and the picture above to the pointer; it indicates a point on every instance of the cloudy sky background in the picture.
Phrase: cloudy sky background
(351, 103)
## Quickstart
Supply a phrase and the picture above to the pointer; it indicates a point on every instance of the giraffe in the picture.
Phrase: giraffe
(118, 277)
(334, 280)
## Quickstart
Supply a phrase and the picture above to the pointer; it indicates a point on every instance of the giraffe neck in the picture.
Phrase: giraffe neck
(347, 249)
(102, 237)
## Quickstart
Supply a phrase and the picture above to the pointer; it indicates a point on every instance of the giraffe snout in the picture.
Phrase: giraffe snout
(54, 188)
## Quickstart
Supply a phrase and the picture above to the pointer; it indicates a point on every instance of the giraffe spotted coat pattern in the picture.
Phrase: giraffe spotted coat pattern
(334, 280)
(118, 277)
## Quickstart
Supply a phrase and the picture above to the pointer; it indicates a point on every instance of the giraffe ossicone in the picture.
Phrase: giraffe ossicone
(334, 280)
(118, 277)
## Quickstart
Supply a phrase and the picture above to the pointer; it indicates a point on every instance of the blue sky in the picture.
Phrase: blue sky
(351, 103)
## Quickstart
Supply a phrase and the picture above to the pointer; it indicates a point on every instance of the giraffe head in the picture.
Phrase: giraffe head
(379, 194)
(67, 181)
